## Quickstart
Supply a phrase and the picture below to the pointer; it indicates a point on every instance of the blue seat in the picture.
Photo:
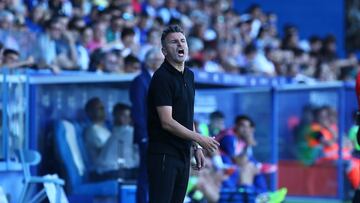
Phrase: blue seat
(29, 158)
(236, 196)
(71, 152)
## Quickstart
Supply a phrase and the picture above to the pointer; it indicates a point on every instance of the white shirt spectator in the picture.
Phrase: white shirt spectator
(128, 151)
(96, 136)
(263, 65)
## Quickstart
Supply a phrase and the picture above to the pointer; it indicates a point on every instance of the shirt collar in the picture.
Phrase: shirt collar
(171, 68)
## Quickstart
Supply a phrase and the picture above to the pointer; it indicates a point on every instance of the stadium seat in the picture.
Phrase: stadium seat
(70, 151)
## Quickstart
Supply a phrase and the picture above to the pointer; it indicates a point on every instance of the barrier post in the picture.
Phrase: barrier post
(341, 125)
(274, 136)
(5, 126)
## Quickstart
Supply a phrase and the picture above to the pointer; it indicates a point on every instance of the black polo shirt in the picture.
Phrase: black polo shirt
(170, 87)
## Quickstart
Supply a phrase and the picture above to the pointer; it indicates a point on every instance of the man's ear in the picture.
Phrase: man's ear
(163, 50)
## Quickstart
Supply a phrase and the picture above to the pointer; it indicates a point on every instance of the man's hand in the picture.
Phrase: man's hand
(199, 158)
(208, 143)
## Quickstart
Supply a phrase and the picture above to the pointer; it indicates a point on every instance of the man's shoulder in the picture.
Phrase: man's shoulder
(225, 134)
(189, 72)
(161, 70)
(144, 76)
(161, 74)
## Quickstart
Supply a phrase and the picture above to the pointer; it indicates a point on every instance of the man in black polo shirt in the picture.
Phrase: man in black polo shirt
(170, 123)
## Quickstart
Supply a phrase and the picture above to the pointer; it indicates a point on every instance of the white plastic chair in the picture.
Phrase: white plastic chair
(29, 158)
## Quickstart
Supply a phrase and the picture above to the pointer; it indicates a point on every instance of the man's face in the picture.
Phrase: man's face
(155, 60)
(245, 131)
(128, 40)
(110, 62)
(55, 30)
(323, 118)
(218, 123)
(132, 67)
(175, 48)
(11, 58)
(123, 117)
(98, 112)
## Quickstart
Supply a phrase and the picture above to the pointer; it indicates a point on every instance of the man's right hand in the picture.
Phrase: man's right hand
(208, 143)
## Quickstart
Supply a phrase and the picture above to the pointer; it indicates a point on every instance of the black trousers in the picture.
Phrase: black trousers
(168, 178)
(356, 198)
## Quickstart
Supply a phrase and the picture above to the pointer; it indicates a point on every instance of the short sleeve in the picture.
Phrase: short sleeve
(161, 91)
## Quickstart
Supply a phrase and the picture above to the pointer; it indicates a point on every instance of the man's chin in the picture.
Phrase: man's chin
(180, 59)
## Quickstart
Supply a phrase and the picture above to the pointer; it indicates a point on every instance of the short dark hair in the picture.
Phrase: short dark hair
(244, 118)
(130, 59)
(10, 51)
(170, 29)
(216, 115)
(314, 38)
(90, 104)
(119, 107)
(127, 32)
(249, 49)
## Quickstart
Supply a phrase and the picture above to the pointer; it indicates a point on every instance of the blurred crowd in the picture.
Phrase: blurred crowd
(316, 141)
(114, 36)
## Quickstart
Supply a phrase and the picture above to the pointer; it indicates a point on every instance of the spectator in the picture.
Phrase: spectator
(86, 38)
(110, 62)
(323, 134)
(125, 133)
(217, 123)
(315, 45)
(56, 47)
(111, 154)
(10, 56)
(106, 62)
(246, 61)
(131, 64)
(262, 63)
(99, 37)
(210, 60)
(11, 59)
(169, 10)
(113, 33)
(36, 19)
(236, 146)
(305, 153)
(152, 40)
(237, 40)
(128, 40)
(138, 95)
(97, 134)
(7, 20)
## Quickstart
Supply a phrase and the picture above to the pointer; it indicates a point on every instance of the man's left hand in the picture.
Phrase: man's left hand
(200, 159)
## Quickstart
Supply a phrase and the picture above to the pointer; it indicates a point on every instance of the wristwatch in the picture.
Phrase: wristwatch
(196, 146)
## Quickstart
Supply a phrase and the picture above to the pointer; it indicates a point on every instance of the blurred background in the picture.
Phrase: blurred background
(68, 114)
